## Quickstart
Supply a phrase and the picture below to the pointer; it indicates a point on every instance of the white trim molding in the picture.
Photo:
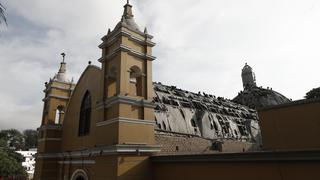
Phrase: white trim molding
(104, 150)
(126, 100)
(49, 139)
(126, 120)
(78, 162)
(113, 37)
(51, 127)
(130, 51)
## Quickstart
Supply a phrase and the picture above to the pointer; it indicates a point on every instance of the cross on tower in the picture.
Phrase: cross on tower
(63, 55)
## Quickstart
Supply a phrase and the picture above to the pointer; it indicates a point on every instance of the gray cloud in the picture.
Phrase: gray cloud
(201, 45)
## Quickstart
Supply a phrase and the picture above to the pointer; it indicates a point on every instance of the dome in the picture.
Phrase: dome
(127, 19)
(258, 97)
(130, 23)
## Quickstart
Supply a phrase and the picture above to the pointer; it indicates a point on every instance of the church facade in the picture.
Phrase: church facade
(106, 120)
(115, 122)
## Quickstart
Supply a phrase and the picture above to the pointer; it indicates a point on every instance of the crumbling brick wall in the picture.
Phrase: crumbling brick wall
(173, 143)
(183, 144)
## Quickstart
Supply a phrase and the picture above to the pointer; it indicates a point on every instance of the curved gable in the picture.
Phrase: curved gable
(90, 81)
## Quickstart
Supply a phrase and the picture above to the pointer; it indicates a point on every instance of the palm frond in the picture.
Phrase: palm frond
(3, 18)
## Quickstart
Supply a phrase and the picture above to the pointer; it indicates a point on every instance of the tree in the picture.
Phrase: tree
(3, 18)
(10, 161)
(31, 138)
(14, 138)
(3, 144)
(313, 94)
(9, 166)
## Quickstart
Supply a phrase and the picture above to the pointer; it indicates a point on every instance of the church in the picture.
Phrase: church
(116, 123)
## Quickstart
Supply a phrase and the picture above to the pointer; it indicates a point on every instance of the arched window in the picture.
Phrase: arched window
(136, 81)
(59, 114)
(79, 174)
(57, 117)
(85, 115)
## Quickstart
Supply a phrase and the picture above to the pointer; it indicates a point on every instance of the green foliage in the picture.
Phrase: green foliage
(14, 138)
(9, 166)
(3, 144)
(10, 141)
(10, 161)
(31, 138)
(313, 94)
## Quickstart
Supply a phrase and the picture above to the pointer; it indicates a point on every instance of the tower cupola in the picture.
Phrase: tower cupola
(248, 77)
(62, 73)
(127, 19)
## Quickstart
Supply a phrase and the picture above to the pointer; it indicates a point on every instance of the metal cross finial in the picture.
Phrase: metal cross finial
(63, 55)
(128, 2)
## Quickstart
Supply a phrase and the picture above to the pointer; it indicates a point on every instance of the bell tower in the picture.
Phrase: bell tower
(127, 95)
(127, 66)
(57, 93)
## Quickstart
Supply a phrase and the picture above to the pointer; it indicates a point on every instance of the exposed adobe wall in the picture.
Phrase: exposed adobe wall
(182, 144)
(185, 144)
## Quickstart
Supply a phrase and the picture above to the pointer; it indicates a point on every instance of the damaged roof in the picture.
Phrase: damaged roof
(203, 115)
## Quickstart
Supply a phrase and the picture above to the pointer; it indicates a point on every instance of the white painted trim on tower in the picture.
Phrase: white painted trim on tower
(104, 150)
(78, 162)
(136, 39)
(126, 120)
(129, 51)
(49, 139)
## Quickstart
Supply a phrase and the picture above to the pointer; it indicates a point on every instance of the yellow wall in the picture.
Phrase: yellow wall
(90, 80)
(236, 170)
(295, 126)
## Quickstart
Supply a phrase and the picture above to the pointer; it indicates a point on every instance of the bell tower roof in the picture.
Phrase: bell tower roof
(127, 19)
(62, 73)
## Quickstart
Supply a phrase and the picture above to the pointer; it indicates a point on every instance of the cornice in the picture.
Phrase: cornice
(130, 51)
(126, 100)
(55, 96)
(71, 87)
(78, 162)
(142, 41)
(49, 139)
(126, 120)
(104, 150)
(51, 127)
(253, 157)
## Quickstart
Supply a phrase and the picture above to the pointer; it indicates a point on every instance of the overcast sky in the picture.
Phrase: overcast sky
(202, 45)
